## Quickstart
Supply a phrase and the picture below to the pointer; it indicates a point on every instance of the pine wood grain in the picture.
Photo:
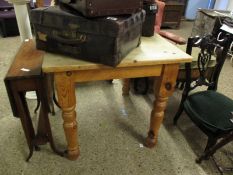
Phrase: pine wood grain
(152, 51)
(163, 89)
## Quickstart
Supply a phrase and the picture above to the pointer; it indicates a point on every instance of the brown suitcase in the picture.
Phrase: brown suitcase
(101, 40)
(94, 8)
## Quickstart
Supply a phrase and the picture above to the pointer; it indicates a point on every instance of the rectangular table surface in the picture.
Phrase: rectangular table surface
(152, 51)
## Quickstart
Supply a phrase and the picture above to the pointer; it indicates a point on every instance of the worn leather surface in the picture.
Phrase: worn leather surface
(104, 40)
(94, 8)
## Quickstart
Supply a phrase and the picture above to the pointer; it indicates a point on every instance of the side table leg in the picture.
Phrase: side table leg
(126, 86)
(26, 121)
(49, 81)
(163, 89)
(67, 100)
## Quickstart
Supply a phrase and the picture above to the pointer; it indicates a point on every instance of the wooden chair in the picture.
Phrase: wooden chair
(209, 110)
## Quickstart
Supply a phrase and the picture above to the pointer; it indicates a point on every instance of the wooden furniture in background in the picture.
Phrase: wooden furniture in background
(25, 75)
(154, 57)
(44, 3)
(158, 22)
(209, 22)
(172, 14)
(8, 23)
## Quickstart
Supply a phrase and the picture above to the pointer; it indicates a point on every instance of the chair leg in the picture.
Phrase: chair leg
(210, 143)
(211, 149)
(222, 169)
(182, 85)
(218, 167)
(181, 108)
(178, 114)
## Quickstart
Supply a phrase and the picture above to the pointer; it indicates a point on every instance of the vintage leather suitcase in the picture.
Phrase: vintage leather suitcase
(148, 26)
(94, 8)
(101, 40)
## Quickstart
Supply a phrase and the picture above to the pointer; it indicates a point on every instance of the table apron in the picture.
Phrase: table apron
(116, 73)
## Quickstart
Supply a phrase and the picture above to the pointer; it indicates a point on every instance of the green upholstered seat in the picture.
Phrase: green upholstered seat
(211, 109)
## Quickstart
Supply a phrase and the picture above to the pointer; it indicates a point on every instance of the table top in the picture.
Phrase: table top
(27, 62)
(152, 51)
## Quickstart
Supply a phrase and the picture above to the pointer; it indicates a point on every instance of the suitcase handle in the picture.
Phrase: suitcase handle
(79, 39)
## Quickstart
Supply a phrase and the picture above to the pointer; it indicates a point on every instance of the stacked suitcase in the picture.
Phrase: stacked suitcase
(100, 31)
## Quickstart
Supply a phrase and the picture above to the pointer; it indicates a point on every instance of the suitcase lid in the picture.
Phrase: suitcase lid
(113, 26)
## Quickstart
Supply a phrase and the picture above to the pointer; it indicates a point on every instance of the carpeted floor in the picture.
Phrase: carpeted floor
(111, 130)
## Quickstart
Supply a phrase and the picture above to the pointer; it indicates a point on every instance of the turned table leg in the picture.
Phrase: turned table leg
(125, 86)
(164, 88)
(67, 100)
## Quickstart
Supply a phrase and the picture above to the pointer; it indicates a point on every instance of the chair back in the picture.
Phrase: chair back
(209, 46)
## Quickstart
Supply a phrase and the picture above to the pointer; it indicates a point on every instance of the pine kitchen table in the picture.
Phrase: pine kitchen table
(155, 57)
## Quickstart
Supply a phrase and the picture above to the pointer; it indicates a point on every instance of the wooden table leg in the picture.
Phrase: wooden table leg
(125, 86)
(67, 100)
(26, 121)
(163, 89)
(49, 81)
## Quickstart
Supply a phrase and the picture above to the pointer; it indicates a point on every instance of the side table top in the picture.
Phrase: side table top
(27, 62)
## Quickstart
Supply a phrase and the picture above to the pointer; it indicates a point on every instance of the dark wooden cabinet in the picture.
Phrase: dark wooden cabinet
(172, 13)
